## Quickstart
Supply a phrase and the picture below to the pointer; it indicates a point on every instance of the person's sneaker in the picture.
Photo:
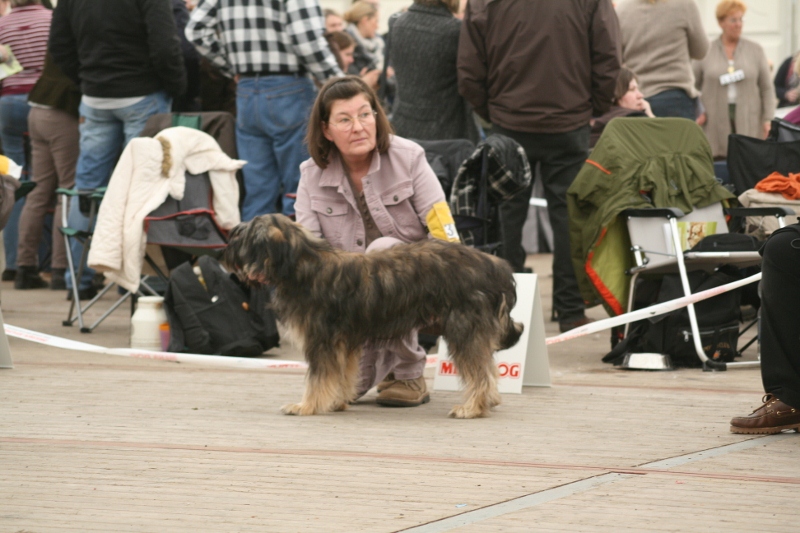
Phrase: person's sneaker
(773, 416)
(402, 392)
(566, 325)
(8, 275)
(58, 281)
(28, 278)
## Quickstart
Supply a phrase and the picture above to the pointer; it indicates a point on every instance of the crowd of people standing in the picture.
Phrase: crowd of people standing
(548, 75)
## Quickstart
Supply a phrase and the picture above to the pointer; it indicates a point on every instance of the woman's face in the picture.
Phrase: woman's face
(633, 99)
(347, 56)
(351, 127)
(732, 25)
(333, 23)
(368, 26)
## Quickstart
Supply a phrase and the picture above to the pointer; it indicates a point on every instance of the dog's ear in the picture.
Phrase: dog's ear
(282, 257)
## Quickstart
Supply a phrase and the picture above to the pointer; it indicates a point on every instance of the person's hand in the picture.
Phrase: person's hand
(389, 72)
(767, 127)
(370, 77)
(702, 119)
(792, 94)
(647, 110)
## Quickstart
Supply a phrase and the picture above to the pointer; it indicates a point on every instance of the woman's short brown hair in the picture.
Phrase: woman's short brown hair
(726, 7)
(342, 39)
(626, 76)
(336, 89)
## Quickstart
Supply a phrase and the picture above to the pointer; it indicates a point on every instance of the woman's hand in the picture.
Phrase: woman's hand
(647, 110)
(791, 95)
(702, 119)
(767, 127)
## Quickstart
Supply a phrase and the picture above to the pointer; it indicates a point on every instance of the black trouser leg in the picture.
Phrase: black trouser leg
(780, 317)
(561, 156)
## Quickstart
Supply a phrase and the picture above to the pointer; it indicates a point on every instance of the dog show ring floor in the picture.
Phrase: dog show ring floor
(101, 443)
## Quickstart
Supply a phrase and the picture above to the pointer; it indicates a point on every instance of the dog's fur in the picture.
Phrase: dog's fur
(335, 301)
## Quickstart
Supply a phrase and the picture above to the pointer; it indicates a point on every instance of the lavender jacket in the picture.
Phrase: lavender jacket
(400, 189)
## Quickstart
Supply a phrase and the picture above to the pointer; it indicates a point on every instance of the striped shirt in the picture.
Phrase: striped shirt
(263, 36)
(25, 31)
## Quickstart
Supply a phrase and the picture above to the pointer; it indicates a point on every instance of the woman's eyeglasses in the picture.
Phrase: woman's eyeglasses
(346, 123)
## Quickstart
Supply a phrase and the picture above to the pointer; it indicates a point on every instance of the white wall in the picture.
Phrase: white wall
(771, 23)
(388, 7)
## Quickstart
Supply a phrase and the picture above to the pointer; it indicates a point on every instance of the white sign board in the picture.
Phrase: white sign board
(526, 363)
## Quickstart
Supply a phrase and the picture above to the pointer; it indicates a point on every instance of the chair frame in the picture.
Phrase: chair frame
(703, 260)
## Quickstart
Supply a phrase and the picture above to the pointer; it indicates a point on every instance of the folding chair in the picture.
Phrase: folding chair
(644, 178)
(89, 204)
(659, 247)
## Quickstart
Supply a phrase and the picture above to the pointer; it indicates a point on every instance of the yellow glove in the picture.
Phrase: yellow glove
(441, 224)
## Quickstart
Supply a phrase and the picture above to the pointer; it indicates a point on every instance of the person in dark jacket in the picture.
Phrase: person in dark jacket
(124, 80)
(540, 84)
(427, 104)
(787, 82)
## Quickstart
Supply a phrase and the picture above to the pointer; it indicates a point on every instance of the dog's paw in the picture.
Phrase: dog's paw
(298, 409)
(460, 411)
(341, 407)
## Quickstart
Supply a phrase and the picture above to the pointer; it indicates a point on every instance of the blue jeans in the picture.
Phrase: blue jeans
(104, 134)
(13, 123)
(272, 117)
(673, 103)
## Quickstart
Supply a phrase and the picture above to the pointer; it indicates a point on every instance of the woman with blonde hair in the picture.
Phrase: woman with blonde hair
(362, 19)
(735, 83)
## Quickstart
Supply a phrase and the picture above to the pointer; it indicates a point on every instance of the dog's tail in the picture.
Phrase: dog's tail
(512, 330)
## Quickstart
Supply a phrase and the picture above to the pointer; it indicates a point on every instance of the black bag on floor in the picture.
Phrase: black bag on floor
(217, 314)
(717, 319)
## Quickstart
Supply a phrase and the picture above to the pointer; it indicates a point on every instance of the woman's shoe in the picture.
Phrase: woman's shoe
(57, 280)
(28, 278)
(9, 275)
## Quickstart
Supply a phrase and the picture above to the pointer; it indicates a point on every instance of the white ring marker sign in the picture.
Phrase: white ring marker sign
(526, 363)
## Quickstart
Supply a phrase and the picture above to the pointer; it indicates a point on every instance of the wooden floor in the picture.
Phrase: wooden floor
(100, 443)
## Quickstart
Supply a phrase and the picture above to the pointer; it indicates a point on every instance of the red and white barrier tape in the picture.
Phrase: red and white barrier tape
(207, 360)
(256, 363)
(649, 312)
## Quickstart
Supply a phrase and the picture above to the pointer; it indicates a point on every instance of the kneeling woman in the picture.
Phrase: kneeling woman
(366, 189)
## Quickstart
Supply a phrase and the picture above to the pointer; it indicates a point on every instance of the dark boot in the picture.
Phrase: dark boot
(57, 281)
(28, 278)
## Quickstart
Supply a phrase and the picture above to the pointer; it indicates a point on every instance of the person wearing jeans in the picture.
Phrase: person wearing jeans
(274, 95)
(270, 129)
(104, 133)
(23, 33)
(124, 82)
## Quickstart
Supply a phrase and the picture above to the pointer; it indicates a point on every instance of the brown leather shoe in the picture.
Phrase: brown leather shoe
(387, 382)
(403, 393)
(772, 417)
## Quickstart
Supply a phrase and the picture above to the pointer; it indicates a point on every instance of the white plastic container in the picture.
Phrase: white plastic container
(146, 323)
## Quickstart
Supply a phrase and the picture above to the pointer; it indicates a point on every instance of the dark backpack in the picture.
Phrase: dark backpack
(217, 315)
(717, 319)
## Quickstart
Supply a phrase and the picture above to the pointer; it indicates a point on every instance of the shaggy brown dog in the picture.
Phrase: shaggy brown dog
(335, 301)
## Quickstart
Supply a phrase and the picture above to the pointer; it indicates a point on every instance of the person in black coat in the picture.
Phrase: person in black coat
(427, 103)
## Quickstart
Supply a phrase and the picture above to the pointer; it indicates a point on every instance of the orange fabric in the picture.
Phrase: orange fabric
(598, 165)
(789, 186)
(605, 292)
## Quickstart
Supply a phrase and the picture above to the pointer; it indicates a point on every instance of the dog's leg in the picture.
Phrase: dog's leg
(473, 356)
(323, 383)
(349, 378)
